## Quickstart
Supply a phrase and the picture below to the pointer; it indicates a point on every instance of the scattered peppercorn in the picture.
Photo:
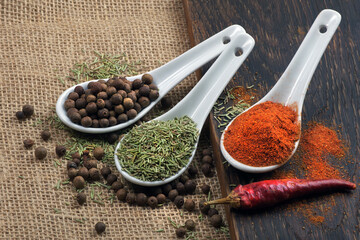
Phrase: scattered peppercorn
(190, 225)
(20, 115)
(81, 198)
(189, 205)
(40, 153)
(111, 178)
(28, 143)
(190, 186)
(173, 194)
(117, 185)
(94, 174)
(207, 170)
(77, 161)
(72, 173)
(166, 102)
(147, 78)
(105, 171)
(212, 212)
(131, 198)
(207, 159)
(28, 110)
(206, 152)
(166, 189)
(76, 155)
(180, 187)
(205, 189)
(121, 194)
(71, 164)
(179, 201)
(112, 138)
(90, 164)
(98, 153)
(60, 150)
(204, 208)
(45, 135)
(100, 227)
(216, 220)
(184, 178)
(161, 198)
(84, 172)
(180, 232)
(79, 182)
(141, 199)
(193, 171)
(152, 202)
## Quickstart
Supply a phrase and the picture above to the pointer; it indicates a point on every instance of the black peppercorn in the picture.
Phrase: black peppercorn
(102, 95)
(144, 102)
(132, 96)
(105, 171)
(212, 212)
(152, 202)
(204, 208)
(87, 92)
(207, 159)
(90, 164)
(119, 109)
(189, 205)
(180, 232)
(112, 121)
(110, 91)
(45, 135)
(94, 174)
(69, 103)
(117, 185)
(75, 117)
(28, 143)
(137, 83)
(122, 93)
(79, 182)
(73, 96)
(179, 201)
(79, 90)
(103, 113)
(40, 153)
(206, 169)
(190, 225)
(100, 227)
(152, 86)
(104, 122)
(131, 113)
(81, 198)
(112, 113)
(128, 103)
(137, 107)
(118, 84)
(131, 198)
(86, 121)
(28, 110)
(180, 187)
(116, 99)
(121, 194)
(71, 164)
(192, 170)
(147, 78)
(111, 178)
(60, 150)
(205, 189)
(216, 220)
(122, 118)
(95, 88)
(84, 172)
(141, 199)
(72, 173)
(108, 104)
(153, 95)
(144, 91)
(91, 108)
(95, 123)
(76, 160)
(98, 153)
(166, 189)
(20, 115)
(161, 198)
(190, 186)
(80, 103)
(173, 194)
(100, 103)
(184, 178)
(127, 88)
(166, 102)
(91, 98)
(112, 138)
(82, 112)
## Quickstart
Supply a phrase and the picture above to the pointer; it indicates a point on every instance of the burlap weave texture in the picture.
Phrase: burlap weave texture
(40, 40)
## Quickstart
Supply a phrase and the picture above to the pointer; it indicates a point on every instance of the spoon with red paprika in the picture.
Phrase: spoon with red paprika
(268, 193)
(289, 92)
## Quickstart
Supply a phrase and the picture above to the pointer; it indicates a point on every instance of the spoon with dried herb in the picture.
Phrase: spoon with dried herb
(164, 78)
(159, 151)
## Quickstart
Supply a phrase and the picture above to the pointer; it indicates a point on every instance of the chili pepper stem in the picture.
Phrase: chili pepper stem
(228, 200)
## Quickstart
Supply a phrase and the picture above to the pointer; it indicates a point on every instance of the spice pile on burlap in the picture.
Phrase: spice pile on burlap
(40, 41)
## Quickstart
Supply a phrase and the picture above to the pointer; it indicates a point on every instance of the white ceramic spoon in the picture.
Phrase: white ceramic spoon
(292, 86)
(199, 101)
(165, 77)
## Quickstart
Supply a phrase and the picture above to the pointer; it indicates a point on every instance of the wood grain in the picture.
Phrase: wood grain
(333, 98)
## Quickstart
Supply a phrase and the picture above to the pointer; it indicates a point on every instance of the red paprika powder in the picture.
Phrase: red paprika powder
(264, 135)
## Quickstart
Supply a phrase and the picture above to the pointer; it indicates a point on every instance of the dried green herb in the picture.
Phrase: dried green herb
(158, 149)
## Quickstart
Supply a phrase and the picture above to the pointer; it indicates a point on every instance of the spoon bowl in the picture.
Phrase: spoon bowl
(199, 101)
(165, 77)
(291, 88)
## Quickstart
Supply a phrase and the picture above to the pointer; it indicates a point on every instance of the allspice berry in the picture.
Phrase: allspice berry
(121, 194)
(112, 121)
(90, 163)
(71, 164)
(98, 153)
(82, 112)
(72, 173)
(84, 172)
(75, 155)
(153, 95)
(100, 227)
(86, 121)
(166, 102)
(117, 185)
(60, 150)
(137, 83)
(79, 182)
(206, 151)
(190, 186)
(104, 122)
(105, 171)
(212, 212)
(206, 169)
(116, 99)
(192, 171)
(110, 91)
(79, 90)
(95, 123)
(204, 208)
(216, 220)
(81, 198)
(207, 159)
(102, 95)
(147, 78)
(75, 117)
(28, 110)
(45, 135)
(122, 118)
(100, 103)
(112, 138)
(189, 205)
(152, 202)
(144, 91)
(179, 201)
(40, 153)
(205, 189)
(141, 199)
(103, 113)
(94, 174)
(128, 103)
(180, 232)
(131, 114)
(144, 102)
(111, 178)
(80, 103)
(180, 188)
(73, 96)
(173, 194)
(131, 198)
(190, 225)
(161, 198)
(28, 143)
(166, 188)
(91, 98)
(119, 109)
(20, 115)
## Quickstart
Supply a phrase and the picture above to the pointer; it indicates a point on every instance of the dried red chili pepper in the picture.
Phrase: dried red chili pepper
(271, 192)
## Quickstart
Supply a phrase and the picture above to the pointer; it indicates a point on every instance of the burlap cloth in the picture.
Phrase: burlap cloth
(40, 41)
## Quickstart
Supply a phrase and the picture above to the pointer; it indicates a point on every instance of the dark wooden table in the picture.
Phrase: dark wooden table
(333, 97)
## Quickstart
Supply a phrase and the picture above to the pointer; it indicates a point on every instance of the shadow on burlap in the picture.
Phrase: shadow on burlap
(40, 41)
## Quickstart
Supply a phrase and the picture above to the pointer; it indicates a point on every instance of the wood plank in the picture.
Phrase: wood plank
(278, 28)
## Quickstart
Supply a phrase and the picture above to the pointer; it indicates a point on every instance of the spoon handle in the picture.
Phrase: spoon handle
(169, 75)
(292, 86)
(199, 101)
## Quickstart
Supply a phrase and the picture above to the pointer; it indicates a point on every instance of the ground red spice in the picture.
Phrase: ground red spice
(243, 94)
(263, 136)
